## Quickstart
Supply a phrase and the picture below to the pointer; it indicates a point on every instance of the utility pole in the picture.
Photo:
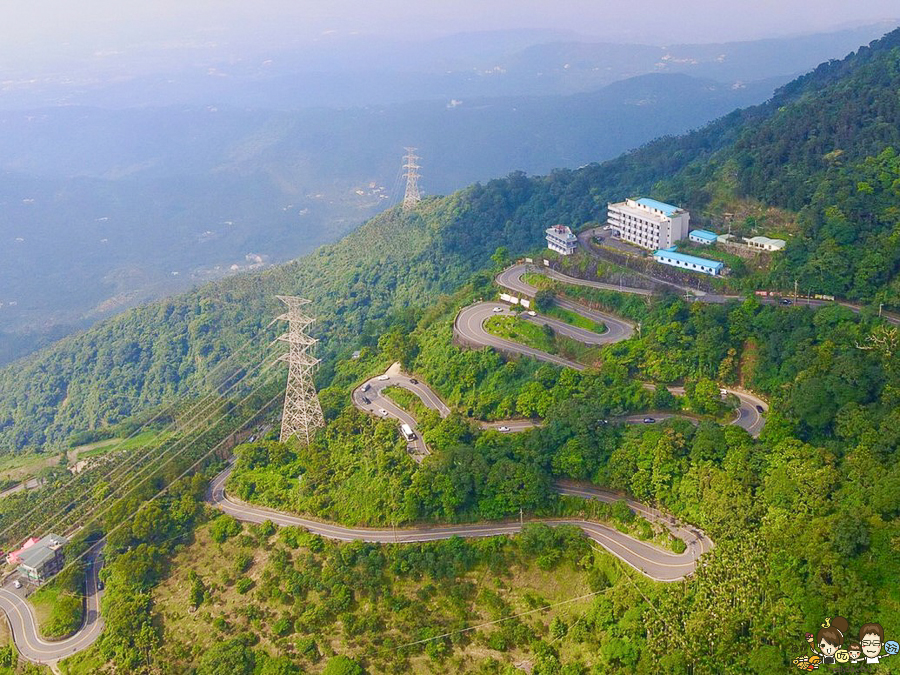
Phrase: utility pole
(795, 290)
(412, 196)
(880, 305)
(302, 410)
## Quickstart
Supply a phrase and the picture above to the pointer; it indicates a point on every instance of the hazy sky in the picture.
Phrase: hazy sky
(36, 25)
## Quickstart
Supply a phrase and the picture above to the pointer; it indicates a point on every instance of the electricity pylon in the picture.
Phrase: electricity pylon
(302, 412)
(412, 196)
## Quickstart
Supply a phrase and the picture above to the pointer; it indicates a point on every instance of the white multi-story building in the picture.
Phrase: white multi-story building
(561, 240)
(648, 223)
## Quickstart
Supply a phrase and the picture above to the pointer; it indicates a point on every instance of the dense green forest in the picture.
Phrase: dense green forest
(804, 518)
(819, 147)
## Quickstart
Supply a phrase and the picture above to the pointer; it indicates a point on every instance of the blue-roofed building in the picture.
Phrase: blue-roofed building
(704, 237)
(669, 256)
(648, 223)
(662, 207)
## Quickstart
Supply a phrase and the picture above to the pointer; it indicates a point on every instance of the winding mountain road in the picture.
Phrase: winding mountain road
(23, 623)
(652, 561)
(511, 278)
(469, 325)
(372, 391)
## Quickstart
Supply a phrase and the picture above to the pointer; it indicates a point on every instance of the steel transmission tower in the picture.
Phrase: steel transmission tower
(412, 196)
(302, 411)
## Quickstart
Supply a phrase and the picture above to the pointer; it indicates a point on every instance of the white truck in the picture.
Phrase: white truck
(407, 432)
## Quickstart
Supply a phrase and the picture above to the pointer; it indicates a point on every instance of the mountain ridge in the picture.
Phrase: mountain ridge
(391, 263)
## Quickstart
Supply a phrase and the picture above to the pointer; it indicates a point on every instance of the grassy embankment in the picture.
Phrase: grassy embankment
(59, 605)
(535, 336)
(575, 319)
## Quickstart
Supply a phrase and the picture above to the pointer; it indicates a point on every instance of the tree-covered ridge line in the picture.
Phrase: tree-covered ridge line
(823, 455)
(162, 351)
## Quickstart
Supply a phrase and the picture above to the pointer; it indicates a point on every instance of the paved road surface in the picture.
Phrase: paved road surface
(511, 278)
(650, 560)
(378, 402)
(24, 626)
(396, 378)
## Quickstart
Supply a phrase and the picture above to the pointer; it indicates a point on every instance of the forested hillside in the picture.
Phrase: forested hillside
(819, 148)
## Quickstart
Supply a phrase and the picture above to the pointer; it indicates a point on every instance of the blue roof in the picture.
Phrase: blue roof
(704, 234)
(667, 209)
(684, 257)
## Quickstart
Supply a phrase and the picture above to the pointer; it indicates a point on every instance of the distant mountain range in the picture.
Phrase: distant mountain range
(104, 207)
(357, 71)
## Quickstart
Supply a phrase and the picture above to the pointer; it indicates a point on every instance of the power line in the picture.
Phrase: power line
(163, 490)
(150, 465)
(119, 468)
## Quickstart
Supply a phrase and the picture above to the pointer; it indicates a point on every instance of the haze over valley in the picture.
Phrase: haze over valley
(121, 191)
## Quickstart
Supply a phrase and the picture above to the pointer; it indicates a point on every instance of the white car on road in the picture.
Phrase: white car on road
(384, 377)
(497, 309)
(503, 429)
(383, 412)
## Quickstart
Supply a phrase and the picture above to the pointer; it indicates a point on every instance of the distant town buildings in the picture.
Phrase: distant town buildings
(648, 223)
(704, 237)
(561, 240)
(669, 256)
(40, 559)
(765, 243)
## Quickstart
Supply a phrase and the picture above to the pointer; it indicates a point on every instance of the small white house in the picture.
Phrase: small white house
(765, 243)
(561, 240)
(704, 237)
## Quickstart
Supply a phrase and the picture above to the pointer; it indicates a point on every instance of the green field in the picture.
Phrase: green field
(16, 468)
(143, 439)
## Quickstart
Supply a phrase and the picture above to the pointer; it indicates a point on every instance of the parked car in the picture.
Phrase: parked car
(649, 420)
(759, 408)
(384, 377)
(503, 429)
(17, 583)
(366, 387)
(531, 312)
